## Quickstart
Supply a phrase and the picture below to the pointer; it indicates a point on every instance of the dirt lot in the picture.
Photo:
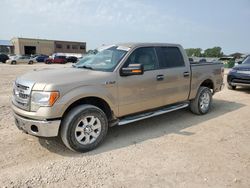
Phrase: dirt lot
(178, 149)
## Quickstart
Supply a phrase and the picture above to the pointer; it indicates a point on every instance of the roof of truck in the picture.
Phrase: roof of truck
(136, 44)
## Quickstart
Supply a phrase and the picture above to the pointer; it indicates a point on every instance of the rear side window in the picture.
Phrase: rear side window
(170, 57)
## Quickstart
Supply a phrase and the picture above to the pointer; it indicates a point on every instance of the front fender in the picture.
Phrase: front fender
(107, 94)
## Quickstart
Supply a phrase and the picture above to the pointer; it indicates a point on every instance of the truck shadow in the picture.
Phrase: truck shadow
(243, 89)
(134, 133)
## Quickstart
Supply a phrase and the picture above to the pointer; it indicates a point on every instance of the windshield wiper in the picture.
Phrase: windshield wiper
(84, 66)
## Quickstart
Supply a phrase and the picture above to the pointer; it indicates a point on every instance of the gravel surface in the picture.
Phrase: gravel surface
(178, 149)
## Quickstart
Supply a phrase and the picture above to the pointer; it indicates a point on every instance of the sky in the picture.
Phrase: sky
(192, 23)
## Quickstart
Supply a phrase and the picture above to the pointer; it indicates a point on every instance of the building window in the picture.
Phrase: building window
(68, 46)
(74, 47)
(58, 46)
(82, 47)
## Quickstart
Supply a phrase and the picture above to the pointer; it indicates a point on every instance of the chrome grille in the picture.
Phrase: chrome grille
(22, 86)
(21, 94)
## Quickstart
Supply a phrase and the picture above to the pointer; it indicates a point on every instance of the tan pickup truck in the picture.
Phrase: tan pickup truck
(121, 84)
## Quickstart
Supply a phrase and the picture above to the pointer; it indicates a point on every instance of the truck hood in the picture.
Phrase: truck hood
(49, 79)
(242, 67)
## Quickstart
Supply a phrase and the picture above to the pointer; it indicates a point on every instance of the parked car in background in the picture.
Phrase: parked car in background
(203, 60)
(56, 60)
(239, 75)
(3, 58)
(72, 59)
(191, 60)
(21, 59)
(41, 58)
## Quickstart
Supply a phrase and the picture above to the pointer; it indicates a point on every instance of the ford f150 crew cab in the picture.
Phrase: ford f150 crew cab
(121, 84)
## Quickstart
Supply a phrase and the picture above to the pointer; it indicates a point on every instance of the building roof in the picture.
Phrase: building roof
(40, 39)
(5, 43)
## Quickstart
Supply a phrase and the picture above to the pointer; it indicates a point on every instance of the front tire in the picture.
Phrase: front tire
(84, 128)
(202, 102)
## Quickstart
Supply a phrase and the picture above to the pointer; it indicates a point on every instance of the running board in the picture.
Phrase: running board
(146, 115)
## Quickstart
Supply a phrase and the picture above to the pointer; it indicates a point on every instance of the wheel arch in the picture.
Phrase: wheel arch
(208, 83)
(92, 100)
(205, 82)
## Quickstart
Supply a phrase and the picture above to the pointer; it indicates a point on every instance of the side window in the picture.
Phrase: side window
(145, 56)
(170, 57)
(58, 46)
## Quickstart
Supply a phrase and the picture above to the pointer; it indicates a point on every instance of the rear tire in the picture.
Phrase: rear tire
(84, 128)
(13, 63)
(231, 87)
(30, 62)
(202, 102)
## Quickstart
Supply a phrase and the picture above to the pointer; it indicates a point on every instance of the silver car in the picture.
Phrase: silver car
(21, 59)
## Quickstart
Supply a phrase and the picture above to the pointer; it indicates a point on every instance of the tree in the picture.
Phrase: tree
(196, 52)
(213, 52)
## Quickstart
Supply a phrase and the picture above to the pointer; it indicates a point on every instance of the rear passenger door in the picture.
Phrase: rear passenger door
(176, 82)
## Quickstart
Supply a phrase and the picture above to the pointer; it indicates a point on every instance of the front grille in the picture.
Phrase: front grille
(22, 87)
(21, 94)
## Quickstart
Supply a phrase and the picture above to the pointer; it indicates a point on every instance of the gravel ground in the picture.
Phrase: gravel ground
(178, 149)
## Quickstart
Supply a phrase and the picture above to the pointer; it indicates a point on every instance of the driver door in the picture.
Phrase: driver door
(140, 92)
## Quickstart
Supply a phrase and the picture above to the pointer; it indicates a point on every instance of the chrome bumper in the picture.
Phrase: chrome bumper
(239, 84)
(37, 127)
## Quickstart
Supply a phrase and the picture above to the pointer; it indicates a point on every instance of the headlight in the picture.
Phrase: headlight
(39, 99)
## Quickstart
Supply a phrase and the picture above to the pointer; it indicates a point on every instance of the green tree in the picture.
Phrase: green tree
(213, 52)
(194, 52)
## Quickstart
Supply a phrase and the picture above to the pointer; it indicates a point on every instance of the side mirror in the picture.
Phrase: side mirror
(239, 62)
(132, 69)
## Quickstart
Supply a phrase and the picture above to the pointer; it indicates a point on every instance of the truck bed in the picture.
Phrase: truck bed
(201, 72)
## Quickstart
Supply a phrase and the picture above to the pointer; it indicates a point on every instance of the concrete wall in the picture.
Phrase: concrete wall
(16, 46)
(42, 46)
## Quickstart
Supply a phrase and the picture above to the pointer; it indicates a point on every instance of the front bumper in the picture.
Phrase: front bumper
(236, 79)
(38, 127)
(240, 83)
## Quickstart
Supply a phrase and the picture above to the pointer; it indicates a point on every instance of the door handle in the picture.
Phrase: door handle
(186, 74)
(160, 77)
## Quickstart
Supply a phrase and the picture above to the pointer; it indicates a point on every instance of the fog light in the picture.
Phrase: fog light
(34, 128)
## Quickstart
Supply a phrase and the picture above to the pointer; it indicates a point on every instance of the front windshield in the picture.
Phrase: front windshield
(104, 60)
(247, 60)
